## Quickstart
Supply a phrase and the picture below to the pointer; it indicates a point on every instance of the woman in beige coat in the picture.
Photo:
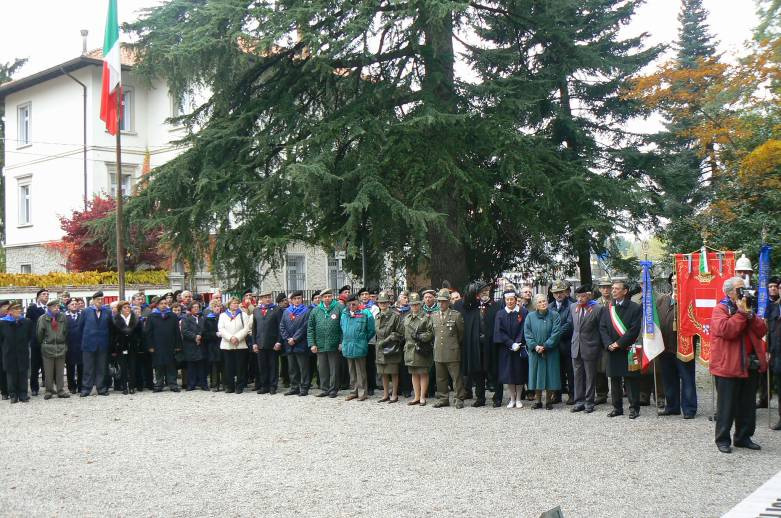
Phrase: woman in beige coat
(233, 327)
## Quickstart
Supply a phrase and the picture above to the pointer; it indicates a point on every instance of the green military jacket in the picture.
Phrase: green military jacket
(448, 335)
(323, 328)
(417, 325)
(54, 343)
(390, 333)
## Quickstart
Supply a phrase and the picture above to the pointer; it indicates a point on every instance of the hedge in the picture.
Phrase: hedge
(82, 278)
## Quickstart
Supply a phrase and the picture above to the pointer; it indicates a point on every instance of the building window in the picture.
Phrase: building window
(128, 175)
(23, 125)
(25, 204)
(26, 268)
(336, 276)
(184, 105)
(296, 275)
(126, 122)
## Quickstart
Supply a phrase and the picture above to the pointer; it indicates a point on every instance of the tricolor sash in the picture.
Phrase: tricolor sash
(618, 324)
(635, 352)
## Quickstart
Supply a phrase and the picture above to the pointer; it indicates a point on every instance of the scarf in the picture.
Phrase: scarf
(55, 324)
(264, 308)
(403, 310)
(163, 314)
(329, 308)
(296, 311)
(232, 315)
(431, 309)
(9, 318)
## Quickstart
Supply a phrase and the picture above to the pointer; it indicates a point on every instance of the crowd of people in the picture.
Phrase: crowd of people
(543, 349)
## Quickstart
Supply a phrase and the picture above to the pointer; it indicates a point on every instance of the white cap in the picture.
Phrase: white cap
(743, 264)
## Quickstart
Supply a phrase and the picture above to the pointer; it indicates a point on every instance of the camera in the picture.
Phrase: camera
(748, 294)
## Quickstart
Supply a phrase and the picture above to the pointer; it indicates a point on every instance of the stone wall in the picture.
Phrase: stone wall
(41, 259)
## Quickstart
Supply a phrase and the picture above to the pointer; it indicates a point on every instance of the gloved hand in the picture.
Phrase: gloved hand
(515, 347)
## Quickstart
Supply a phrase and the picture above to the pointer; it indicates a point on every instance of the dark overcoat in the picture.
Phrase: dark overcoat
(508, 330)
(631, 315)
(162, 334)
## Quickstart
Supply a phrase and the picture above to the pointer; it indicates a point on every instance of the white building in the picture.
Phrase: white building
(44, 165)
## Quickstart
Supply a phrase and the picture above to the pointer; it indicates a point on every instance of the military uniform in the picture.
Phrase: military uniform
(390, 335)
(448, 338)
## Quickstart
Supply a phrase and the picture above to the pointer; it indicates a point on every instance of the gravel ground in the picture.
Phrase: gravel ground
(210, 454)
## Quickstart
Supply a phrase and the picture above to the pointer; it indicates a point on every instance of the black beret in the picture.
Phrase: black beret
(5, 303)
(97, 295)
(352, 298)
(297, 293)
(281, 297)
(583, 288)
(316, 293)
(774, 280)
(42, 290)
(345, 288)
(374, 291)
(363, 290)
(246, 292)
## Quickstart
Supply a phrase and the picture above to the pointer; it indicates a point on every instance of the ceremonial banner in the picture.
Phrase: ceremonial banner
(699, 289)
(653, 344)
(764, 275)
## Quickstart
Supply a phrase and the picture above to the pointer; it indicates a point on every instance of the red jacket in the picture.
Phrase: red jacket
(730, 336)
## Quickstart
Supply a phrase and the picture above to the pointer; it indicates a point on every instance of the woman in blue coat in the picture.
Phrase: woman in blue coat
(511, 344)
(73, 363)
(542, 330)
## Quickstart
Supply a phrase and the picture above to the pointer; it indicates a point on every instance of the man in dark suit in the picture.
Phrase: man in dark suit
(95, 326)
(620, 326)
(34, 312)
(586, 349)
(265, 329)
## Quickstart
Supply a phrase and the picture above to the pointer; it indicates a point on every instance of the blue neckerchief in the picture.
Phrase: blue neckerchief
(9, 318)
(369, 303)
(211, 315)
(267, 306)
(163, 314)
(296, 310)
(730, 305)
(403, 309)
(232, 315)
(49, 313)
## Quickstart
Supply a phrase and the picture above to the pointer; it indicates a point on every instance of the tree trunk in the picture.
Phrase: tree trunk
(448, 256)
(584, 260)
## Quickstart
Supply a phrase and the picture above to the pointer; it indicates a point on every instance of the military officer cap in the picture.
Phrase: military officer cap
(559, 285)
(605, 281)
(97, 295)
(428, 291)
(384, 296)
(326, 292)
(414, 299)
(444, 294)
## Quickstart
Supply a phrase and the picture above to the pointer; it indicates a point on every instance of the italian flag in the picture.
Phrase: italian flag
(704, 260)
(112, 68)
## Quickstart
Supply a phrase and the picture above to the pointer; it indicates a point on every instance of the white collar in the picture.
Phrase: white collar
(126, 319)
(510, 311)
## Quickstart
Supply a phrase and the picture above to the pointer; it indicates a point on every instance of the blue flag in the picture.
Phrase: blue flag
(764, 275)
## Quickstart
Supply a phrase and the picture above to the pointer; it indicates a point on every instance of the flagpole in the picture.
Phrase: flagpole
(120, 235)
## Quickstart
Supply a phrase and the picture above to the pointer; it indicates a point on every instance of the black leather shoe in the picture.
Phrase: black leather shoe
(478, 403)
(669, 412)
(577, 408)
(615, 413)
(14, 399)
(688, 416)
(229, 391)
(589, 409)
(238, 391)
(303, 393)
(497, 404)
(749, 444)
(157, 390)
(724, 448)
(291, 393)
(175, 389)
(633, 414)
(83, 394)
(35, 393)
(776, 426)
(762, 403)
(537, 405)
(5, 397)
(124, 392)
(25, 399)
(104, 393)
(322, 394)
(600, 400)
(333, 394)
(272, 391)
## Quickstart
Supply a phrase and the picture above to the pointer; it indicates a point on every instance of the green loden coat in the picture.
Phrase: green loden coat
(417, 325)
(389, 330)
(324, 327)
(543, 329)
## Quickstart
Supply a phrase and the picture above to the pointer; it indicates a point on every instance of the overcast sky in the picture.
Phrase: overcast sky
(47, 31)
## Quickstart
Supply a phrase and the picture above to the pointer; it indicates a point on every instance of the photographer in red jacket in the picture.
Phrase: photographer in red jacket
(738, 356)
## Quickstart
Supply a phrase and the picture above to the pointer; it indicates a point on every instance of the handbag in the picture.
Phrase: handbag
(425, 349)
(393, 348)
